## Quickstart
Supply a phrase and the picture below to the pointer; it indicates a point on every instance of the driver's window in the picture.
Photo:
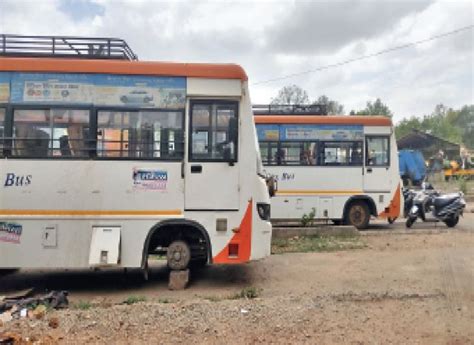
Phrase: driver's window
(214, 131)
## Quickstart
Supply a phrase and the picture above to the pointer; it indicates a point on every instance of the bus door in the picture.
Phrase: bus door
(212, 170)
(377, 164)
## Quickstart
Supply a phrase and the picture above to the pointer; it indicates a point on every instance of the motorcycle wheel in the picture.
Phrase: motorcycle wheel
(410, 222)
(452, 222)
(391, 220)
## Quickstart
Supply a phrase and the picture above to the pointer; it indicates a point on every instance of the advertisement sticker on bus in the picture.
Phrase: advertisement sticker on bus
(268, 132)
(4, 87)
(10, 232)
(99, 89)
(150, 179)
(321, 132)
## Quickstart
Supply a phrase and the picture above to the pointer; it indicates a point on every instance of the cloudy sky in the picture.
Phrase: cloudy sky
(273, 39)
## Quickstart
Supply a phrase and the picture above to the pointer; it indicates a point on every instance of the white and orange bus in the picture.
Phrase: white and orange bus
(339, 168)
(105, 159)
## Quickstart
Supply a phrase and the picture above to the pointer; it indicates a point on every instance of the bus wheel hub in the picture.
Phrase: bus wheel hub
(178, 255)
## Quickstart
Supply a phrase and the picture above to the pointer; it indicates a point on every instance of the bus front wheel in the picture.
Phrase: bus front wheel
(358, 215)
(178, 255)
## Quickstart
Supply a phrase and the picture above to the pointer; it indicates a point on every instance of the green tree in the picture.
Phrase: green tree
(291, 94)
(333, 107)
(376, 108)
(405, 126)
(447, 123)
(465, 121)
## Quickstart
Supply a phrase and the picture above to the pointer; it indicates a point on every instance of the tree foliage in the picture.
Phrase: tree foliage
(333, 107)
(453, 125)
(291, 94)
(376, 108)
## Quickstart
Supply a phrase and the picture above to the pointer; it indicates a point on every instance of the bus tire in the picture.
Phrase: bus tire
(178, 255)
(358, 215)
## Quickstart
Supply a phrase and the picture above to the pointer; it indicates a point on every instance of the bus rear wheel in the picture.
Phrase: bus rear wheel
(358, 215)
(178, 255)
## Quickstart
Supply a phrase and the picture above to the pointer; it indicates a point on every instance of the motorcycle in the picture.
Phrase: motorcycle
(408, 195)
(430, 206)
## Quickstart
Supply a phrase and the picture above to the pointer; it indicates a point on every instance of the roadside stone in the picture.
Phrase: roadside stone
(53, 322)
(178, 280)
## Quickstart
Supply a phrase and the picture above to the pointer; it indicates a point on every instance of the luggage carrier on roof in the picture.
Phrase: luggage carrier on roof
(65, 47)
(289, 109)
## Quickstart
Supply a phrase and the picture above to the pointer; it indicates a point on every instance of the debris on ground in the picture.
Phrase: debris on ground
(25, 305)
(53, 322)
(10, 338)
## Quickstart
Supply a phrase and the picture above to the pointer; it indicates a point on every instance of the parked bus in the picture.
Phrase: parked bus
(106, 160)
(339, 168)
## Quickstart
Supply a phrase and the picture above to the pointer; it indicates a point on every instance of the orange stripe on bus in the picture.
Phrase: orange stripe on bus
(394, 208)
(331, 119)
(90, 213)
(242, 240)
(318, 192)
(196, 70)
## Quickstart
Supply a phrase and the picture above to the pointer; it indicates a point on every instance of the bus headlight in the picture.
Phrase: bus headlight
(263, 211)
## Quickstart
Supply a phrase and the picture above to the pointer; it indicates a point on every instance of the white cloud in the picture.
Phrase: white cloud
(276, 38)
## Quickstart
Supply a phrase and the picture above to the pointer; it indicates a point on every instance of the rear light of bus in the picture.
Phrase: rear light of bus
(263, 211)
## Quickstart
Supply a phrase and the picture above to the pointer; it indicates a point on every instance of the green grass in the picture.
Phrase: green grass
(83, 305)
(316, 243)
(454, 185)
(249, 292)
(213, 298)
(134, 299)
(165, 300)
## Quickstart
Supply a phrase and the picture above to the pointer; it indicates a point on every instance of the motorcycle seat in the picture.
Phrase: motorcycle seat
(444, 200)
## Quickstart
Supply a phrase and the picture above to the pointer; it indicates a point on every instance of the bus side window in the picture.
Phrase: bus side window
(50, 133)
(290, 153)
(342, 153)
(2, 130)
(377, 151)
(140, 134)
(214, 131)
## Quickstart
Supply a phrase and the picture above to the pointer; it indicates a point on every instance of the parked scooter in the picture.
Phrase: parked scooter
(430, 206)
(408, 195)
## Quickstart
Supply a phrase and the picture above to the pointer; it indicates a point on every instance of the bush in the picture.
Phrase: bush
(308, 219)
(249, 293)
(134, 299)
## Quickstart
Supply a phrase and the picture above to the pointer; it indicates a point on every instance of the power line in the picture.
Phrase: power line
(385, 51)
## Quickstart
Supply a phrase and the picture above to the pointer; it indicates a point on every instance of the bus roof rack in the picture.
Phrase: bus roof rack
(65, 47)
(289, 109)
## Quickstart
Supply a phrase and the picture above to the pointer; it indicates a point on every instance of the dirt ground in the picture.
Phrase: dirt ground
(403, 287)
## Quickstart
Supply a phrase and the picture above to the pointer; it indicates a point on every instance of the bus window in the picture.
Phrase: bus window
(140, 134)
(50, 133)
(290, 153)
(342, 153)
(377, 151)
(268, 151)
(214, 131)
(2, 130)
